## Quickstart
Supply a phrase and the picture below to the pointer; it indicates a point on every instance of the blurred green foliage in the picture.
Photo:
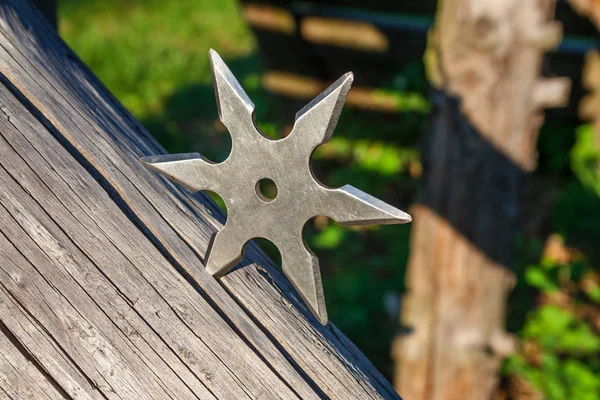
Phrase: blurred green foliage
(153, 56)
(585, 158)
(146, 50)
(560, 336)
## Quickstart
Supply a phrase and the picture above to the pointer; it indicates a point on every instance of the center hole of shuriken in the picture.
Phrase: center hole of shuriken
(266, 190)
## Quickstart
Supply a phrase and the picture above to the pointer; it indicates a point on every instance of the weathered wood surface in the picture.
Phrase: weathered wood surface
(101, 278)
(102, 291)
(21, 377)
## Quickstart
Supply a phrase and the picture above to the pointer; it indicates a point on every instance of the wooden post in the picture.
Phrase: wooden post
(484, 59)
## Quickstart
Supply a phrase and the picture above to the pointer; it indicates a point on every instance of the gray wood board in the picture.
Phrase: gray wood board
(20, 376)
(256, 300)
(101, 290)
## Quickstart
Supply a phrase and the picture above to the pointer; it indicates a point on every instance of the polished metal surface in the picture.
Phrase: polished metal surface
(285, 161)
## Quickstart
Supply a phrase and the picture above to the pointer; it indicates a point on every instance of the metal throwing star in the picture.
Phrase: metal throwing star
(286, 162)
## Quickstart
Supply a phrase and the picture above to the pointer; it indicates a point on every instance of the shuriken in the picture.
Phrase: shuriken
(286, 162)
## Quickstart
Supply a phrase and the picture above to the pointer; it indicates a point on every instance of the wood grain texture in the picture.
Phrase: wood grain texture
(20, 376)
(277, 342)
(101, 290)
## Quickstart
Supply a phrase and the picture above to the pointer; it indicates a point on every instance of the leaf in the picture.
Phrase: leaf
(538, 278)
(594, 293)
(330, 237)
(585, 158)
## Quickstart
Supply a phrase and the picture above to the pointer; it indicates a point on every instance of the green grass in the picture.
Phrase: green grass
(147, 50)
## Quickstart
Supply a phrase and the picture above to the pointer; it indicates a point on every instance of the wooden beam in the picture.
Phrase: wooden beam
(106, 296)
(281, 351)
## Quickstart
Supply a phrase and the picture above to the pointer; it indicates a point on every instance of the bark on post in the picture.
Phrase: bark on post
(484, 59)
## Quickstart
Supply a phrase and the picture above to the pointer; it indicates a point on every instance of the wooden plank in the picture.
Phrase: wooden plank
(62, 309)
(20, 376)
(43, 349)
(108, 141)
(101, 290)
